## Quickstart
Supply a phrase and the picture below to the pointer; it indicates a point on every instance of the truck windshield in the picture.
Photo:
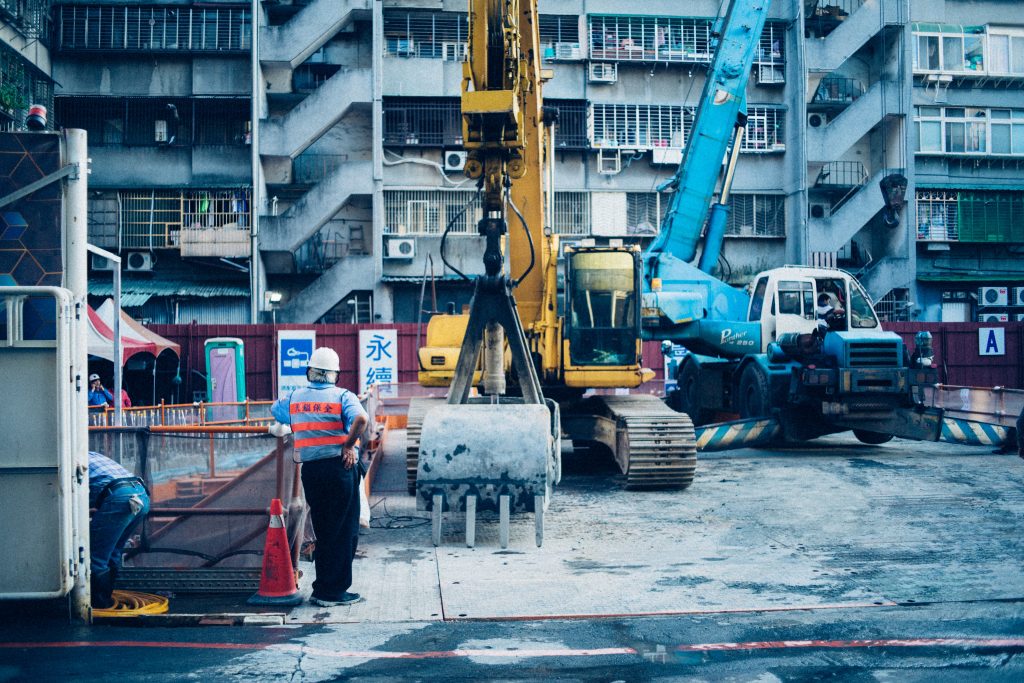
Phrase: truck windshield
(861, 314)
(603, 316)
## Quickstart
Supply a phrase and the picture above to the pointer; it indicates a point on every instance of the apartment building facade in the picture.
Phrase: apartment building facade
(359, 153)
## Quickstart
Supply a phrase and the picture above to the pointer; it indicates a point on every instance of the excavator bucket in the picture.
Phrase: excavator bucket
(487, 457)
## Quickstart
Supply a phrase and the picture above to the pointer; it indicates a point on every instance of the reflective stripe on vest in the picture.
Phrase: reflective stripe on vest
(317, 423)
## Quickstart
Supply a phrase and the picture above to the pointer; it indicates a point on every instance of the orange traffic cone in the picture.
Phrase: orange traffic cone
(277, 582)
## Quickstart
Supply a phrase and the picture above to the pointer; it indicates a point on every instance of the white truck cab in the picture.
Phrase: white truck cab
(787, 300)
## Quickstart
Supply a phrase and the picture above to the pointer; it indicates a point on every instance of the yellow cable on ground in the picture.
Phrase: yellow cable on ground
(133, 604)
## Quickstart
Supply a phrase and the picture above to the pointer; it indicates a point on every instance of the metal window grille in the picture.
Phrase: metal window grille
(149, 121)
(428, 212)
(764, 131)
(425, 34)
(771, 48)
(894, 306)
(422, 121)
(937, 217)
(650, 39)
(560, 37)
(154, 29)
(644, 212)
(838, 90)
(822, 17)
(572, 213)
(757, 215)
(154, 219)
(571, 129)
(309, 168)
(639, 126)
(21, 84)
(31, 18)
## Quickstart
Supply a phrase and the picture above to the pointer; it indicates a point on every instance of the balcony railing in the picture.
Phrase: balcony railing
(422, 122)
(154, 29)
(154, 219)
(821, 17)
(841, 174)
(309, 169)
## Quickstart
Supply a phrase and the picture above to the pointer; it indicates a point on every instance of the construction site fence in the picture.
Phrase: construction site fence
(196, 414)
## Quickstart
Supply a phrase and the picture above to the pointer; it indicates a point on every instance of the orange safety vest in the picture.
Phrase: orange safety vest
(317, 421)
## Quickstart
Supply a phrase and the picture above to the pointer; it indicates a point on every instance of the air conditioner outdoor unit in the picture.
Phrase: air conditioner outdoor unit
(603, 73)
(101, 262)
(667, 155)
(568, 51)
(160, 131)
(993, 317)
(139, 261)
(820, 210)
(1018, 297)
(993, 296)
(817, 120)
(454, 160)
(400, 248)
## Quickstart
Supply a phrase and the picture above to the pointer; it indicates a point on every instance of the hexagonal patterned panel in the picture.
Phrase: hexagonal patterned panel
(30, 228)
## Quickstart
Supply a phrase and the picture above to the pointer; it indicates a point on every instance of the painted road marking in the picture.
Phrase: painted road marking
(993, 642)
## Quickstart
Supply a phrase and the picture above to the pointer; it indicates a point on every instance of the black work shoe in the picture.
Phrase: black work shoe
(345, 598)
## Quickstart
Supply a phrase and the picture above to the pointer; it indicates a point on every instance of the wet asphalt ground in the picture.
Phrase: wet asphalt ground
(835, 561)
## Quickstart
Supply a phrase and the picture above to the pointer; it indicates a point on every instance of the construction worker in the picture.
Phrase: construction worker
(120, 502)
(99, 396)
(326, 422)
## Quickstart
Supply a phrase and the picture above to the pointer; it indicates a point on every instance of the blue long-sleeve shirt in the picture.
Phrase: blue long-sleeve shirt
(103, 397)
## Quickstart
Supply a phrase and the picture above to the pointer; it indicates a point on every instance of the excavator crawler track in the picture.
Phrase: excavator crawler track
(655, 446)
(418, 407)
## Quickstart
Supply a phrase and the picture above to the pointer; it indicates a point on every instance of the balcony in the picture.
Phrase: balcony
(980, 216)
(107, 28)
(211, 223)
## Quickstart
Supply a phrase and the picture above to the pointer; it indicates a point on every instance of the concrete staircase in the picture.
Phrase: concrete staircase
(291, 134)
(889, 273)
(323, 294)
(853, 123)
(292, 43)
(833, 232)
(291, 229)
(825, 55)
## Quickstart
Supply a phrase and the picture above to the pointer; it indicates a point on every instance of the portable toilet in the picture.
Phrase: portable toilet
(225, 378)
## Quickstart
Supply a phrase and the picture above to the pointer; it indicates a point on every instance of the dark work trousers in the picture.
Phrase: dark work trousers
(332, 492)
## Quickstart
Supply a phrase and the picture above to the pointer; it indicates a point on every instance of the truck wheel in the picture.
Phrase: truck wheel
(754, 399)
(688, 393)
(872, 438)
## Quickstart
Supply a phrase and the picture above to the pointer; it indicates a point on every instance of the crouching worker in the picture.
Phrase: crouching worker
(326, 422)
(120, 501)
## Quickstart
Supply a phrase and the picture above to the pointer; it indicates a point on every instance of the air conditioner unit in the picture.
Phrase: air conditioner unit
(139, 261)
(820, 210)
(817, 120)
(1018, 297)
(160, 131)
(993, 317)
(568, 51)
(603, 73)
(667, 155)
(993, 296)
(400, 248)
(102, 262)
(454, 160)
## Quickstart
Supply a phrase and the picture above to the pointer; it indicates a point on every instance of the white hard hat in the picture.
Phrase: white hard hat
(325, 359)
(93, 377)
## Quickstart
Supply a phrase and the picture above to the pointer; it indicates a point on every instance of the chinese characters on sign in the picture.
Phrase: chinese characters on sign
(294, 347)
(378, 358)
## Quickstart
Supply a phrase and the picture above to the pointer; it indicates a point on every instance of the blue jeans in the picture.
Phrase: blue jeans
(112, 524)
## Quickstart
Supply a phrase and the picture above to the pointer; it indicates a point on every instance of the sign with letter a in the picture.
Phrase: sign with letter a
(991, 341)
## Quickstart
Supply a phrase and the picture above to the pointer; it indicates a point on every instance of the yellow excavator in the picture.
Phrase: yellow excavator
(540, 356)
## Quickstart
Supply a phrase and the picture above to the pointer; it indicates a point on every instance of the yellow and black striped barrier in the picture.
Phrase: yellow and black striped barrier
(972, 433)
(738, 434)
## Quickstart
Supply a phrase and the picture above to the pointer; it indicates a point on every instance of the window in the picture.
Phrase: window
(764, 132)
(153, 219)
(429, 212)
(927, 54)
(572, 213)
(154, 29)
(650, 39)
(422, 121)
(560, 37)
(970, 130)
(756, 215)
(861, 314)
(425, 34)
(757, 301)
(644, 212)
(603, 313)
(791, 298)
(571, 128)
(970, 215)
(639, 126)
